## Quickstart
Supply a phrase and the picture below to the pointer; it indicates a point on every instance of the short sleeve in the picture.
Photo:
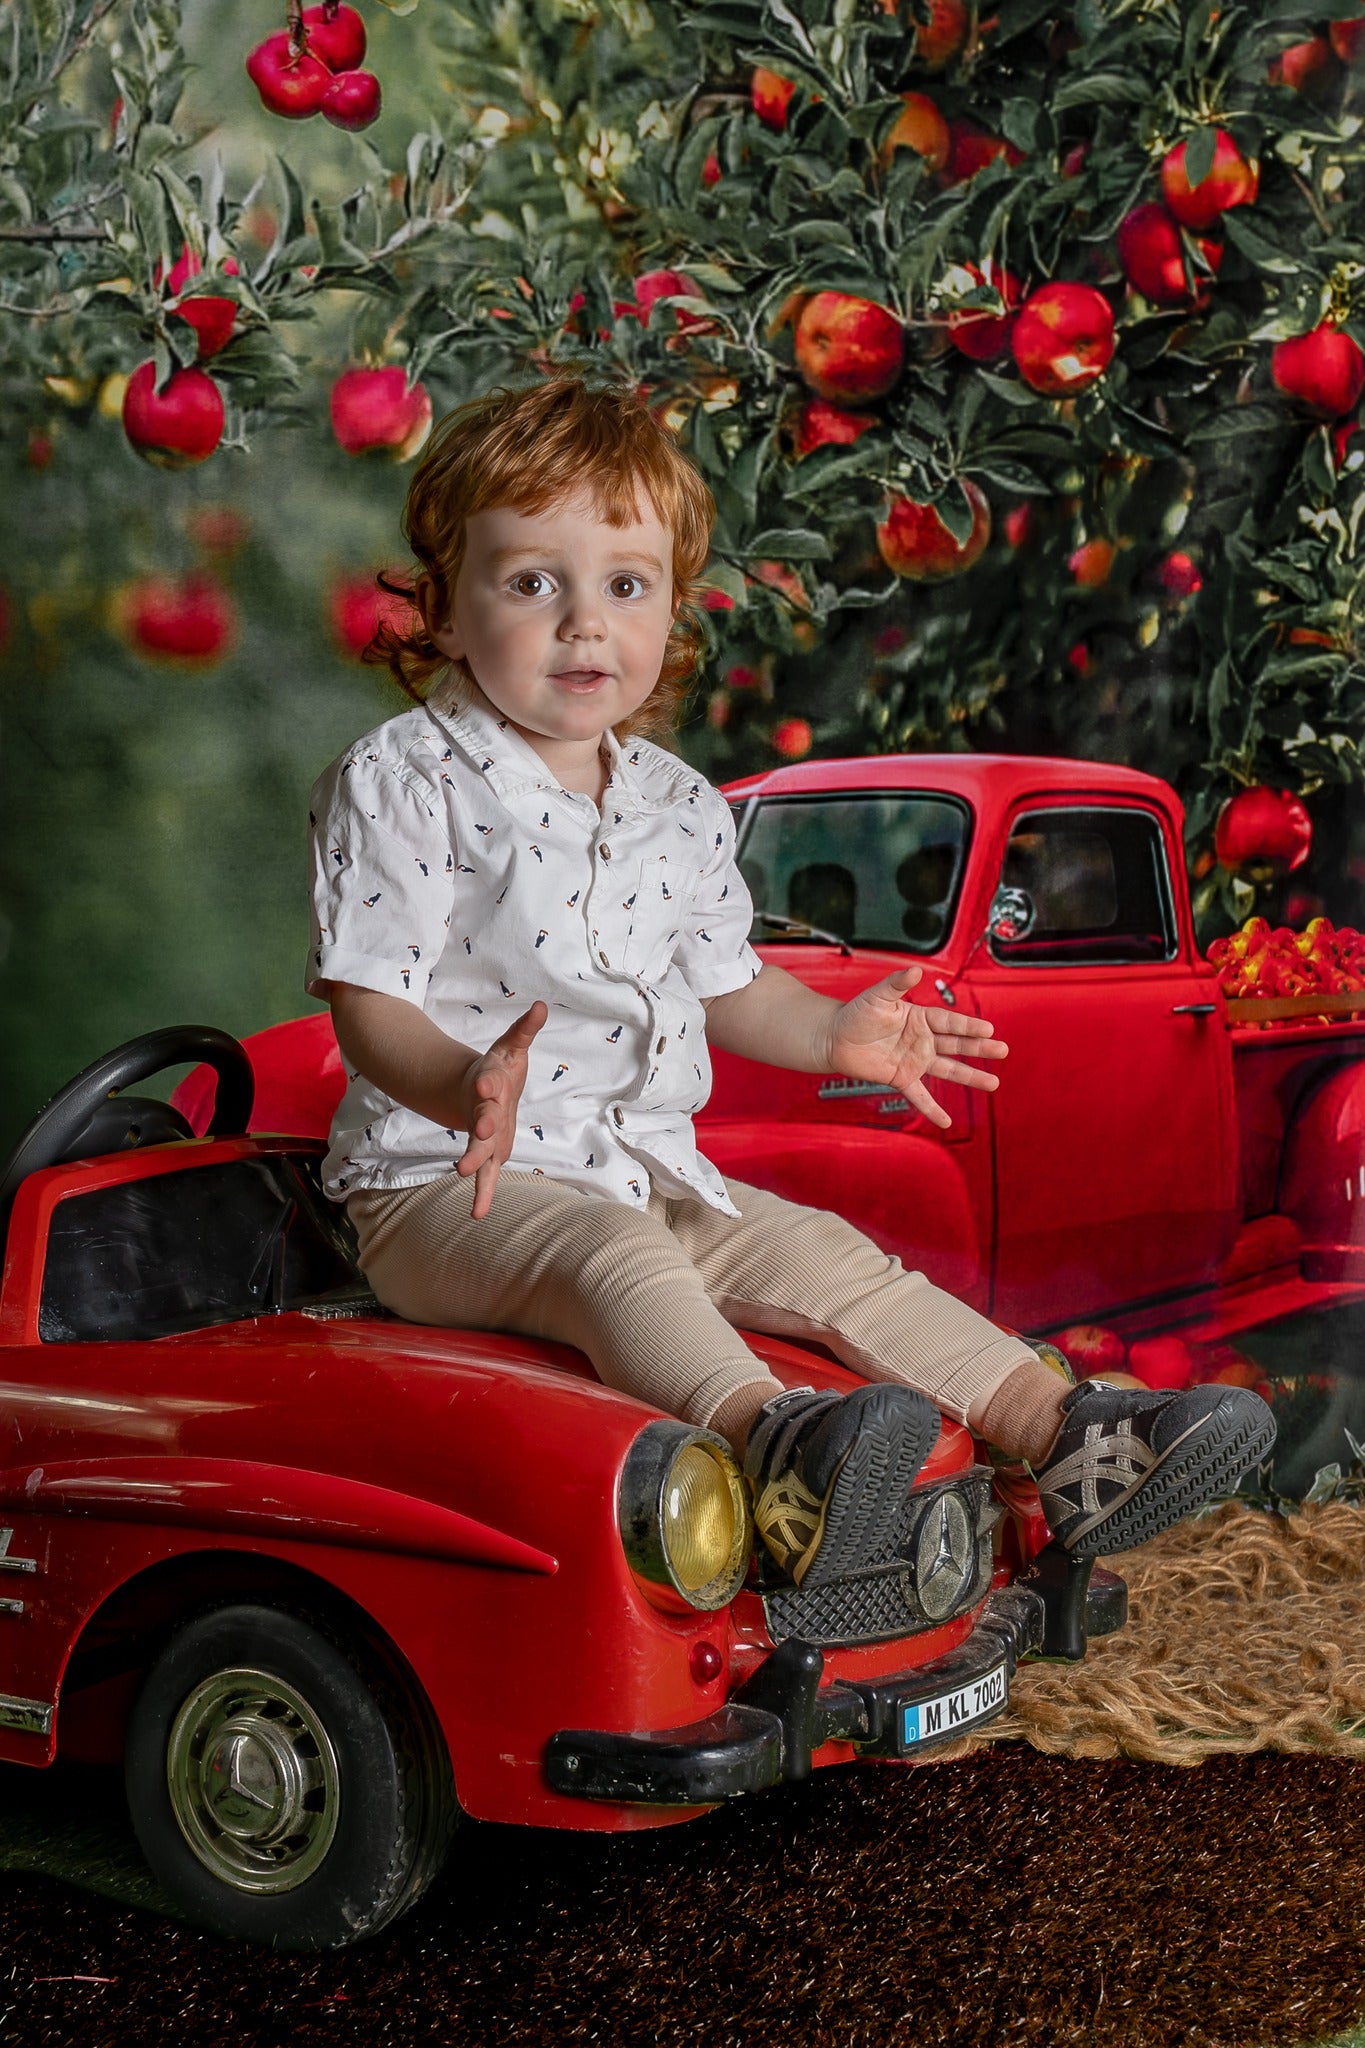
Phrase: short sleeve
(383, 869)
(713, 952)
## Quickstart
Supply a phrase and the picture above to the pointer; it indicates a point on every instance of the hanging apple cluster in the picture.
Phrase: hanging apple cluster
(313, 67)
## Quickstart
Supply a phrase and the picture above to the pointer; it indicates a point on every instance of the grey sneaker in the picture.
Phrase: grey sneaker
(1127, 1463)
(830, 1474)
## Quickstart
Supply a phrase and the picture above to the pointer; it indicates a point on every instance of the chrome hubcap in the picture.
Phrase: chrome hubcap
(253, 1781)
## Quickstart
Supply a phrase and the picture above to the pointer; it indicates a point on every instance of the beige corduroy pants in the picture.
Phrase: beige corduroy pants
(652, 1296)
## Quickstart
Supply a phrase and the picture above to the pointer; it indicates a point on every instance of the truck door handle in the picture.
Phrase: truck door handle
(1193, 1009)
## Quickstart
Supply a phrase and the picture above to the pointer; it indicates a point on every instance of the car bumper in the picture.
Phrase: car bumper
(768, 1732)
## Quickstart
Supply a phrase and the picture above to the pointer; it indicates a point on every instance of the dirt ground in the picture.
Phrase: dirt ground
(1006, 1897)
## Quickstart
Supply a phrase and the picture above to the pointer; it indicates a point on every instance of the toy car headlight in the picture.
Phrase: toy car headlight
(684, 1514)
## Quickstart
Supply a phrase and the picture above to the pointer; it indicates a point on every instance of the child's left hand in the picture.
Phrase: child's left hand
(879, 1037)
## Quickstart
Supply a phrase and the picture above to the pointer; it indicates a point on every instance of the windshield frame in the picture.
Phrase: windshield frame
(750, 807)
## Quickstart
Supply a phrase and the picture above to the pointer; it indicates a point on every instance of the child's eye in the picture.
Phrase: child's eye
(624, 577)
(528, 576)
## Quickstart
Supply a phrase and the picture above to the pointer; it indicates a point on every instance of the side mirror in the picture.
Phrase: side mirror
(1012, 915)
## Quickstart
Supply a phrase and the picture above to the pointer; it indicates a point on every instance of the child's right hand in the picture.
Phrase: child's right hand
(489, 1094)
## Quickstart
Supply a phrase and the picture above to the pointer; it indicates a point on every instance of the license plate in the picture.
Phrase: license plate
(949, 1712)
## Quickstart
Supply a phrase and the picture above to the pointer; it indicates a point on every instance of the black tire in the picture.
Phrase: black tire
(315, 1783)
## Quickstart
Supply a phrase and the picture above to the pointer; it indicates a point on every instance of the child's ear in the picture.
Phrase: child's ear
(435, 610)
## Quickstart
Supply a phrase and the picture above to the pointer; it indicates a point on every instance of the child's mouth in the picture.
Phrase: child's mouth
(580, 678)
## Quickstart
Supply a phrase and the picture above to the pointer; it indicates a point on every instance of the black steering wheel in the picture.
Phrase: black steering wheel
(84, 1118)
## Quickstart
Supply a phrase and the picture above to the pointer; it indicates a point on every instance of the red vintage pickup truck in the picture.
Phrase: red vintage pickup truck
(1156, 1157)
(326, 1582)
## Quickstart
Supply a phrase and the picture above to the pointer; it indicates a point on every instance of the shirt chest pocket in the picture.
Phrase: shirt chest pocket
(660, 893)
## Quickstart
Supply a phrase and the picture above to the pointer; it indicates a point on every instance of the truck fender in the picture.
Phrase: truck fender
(904, 1192)
(1322, 1176)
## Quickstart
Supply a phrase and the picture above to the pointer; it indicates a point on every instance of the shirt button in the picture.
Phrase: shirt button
(603, 958)
(618, 1116)
(663, 1041)
(605, 852)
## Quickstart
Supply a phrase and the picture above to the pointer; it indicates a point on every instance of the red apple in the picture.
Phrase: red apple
(1153, 257)
(1305, 67)
(1019, 525)
(357, 607)
(217, 529)
(792, 738)
(975, 330)
(379, 410)
(1091, 563)
(188, 618)
(1324, 370)
(971, 148)
(921, 127)
(1263, 824)
(1233, 181)
(289, 83)
(212, 318)
(941, 38)
(352, 100)
(915, 543)
(340, 42)
(662, 284)
(821, 424)
(770, 96)
(1091, 1350)
(1063, 338)
(1161, 1362)
(1179, 576)
(175, 427)
(848, 348)
(1348, 38)
(717, 601)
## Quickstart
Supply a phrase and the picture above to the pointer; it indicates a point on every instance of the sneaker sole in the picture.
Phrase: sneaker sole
(870, 1489)
(1193, 1472)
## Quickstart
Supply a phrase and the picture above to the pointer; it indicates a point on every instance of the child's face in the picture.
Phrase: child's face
(563, 619)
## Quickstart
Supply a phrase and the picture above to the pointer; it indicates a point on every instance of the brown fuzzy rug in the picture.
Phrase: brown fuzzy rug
(1007, 1896)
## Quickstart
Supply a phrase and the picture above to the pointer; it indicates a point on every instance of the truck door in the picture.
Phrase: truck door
(1113, 1126)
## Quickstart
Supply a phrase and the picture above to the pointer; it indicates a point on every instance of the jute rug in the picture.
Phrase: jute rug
(1246, 1631)
(1069, 1880)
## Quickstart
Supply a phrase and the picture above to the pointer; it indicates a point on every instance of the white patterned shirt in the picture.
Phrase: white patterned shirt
(452, 870)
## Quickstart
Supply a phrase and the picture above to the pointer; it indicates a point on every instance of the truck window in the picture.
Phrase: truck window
(878, 869)
(1098, 884)
(180, 1251)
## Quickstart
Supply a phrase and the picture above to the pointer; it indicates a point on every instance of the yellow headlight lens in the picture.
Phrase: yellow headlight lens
(705, 1529)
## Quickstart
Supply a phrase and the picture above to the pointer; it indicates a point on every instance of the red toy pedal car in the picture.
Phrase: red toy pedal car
(327, 1582)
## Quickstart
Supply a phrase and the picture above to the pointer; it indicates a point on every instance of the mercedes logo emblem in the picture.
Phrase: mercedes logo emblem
(945, 1556)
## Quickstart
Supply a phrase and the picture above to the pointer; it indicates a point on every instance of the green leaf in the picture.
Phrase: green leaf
(1015, 476)
(1101, 88)
(1257, 248)
(791, 543)
(1199, 154)
(954, 508)
(1013, 393)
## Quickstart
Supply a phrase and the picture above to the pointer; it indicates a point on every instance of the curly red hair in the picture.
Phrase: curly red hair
(525, 449)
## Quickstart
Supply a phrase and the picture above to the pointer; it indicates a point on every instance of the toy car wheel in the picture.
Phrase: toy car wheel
(282, 1788)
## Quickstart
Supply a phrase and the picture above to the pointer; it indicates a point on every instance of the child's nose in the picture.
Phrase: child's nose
(582, 612)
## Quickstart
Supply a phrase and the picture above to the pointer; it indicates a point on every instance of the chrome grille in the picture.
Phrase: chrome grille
(886, 1598)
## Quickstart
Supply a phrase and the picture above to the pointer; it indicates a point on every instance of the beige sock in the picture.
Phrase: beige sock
(1023, 1415)
(738, 1412)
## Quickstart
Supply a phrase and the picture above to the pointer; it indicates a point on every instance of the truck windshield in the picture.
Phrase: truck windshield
(879, 869)
(180, 1251)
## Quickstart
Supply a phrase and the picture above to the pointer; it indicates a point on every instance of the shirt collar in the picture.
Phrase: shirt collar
(640, 777)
